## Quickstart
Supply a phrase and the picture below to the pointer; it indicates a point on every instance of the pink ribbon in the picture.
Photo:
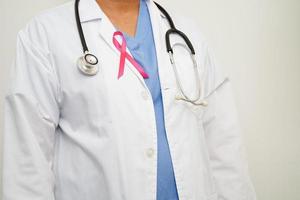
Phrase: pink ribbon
(124, 54)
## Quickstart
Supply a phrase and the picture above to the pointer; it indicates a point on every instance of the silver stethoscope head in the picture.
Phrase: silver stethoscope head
(88, 64)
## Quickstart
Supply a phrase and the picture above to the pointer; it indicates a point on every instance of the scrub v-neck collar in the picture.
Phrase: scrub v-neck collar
(141, 30)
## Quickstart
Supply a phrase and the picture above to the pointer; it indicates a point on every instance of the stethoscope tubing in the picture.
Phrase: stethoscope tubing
(89, 66)
(79, 28)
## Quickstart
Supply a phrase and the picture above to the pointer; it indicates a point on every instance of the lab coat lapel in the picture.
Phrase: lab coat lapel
(164, 66)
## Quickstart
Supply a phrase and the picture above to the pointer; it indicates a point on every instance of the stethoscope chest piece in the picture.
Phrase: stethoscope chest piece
(88, 64)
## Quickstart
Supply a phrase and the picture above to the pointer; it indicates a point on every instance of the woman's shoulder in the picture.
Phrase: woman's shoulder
(51, 18)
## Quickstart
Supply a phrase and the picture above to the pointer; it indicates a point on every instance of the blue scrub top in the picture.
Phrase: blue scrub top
(142, 48)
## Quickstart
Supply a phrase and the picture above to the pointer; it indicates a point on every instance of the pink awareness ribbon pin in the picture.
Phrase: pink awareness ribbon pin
(124, 54)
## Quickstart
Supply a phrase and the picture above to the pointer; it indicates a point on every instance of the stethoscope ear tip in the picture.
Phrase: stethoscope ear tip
(204, 103)
(198, 102)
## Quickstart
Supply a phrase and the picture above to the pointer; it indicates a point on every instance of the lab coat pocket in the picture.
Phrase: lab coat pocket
(196, 109)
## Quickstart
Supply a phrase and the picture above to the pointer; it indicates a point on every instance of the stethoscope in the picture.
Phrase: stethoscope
(88, 63)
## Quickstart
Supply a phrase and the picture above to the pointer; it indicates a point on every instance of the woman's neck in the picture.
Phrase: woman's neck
(122, 13)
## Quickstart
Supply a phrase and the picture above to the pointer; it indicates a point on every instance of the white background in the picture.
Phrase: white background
(258, 44)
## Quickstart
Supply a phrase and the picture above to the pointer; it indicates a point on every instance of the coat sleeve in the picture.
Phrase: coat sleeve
(223, 135)
(31, 115)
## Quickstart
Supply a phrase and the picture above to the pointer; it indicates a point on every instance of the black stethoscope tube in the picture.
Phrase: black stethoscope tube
(79, 27)
(173, 30)
(183, 36)
(166, 14)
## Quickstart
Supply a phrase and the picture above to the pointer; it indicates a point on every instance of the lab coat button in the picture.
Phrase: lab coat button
(144, 95)
(150, 152)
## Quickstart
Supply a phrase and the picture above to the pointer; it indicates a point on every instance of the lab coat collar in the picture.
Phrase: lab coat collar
(89, 10)
(159, 28)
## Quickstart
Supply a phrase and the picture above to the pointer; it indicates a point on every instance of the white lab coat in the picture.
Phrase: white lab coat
(74, 137)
